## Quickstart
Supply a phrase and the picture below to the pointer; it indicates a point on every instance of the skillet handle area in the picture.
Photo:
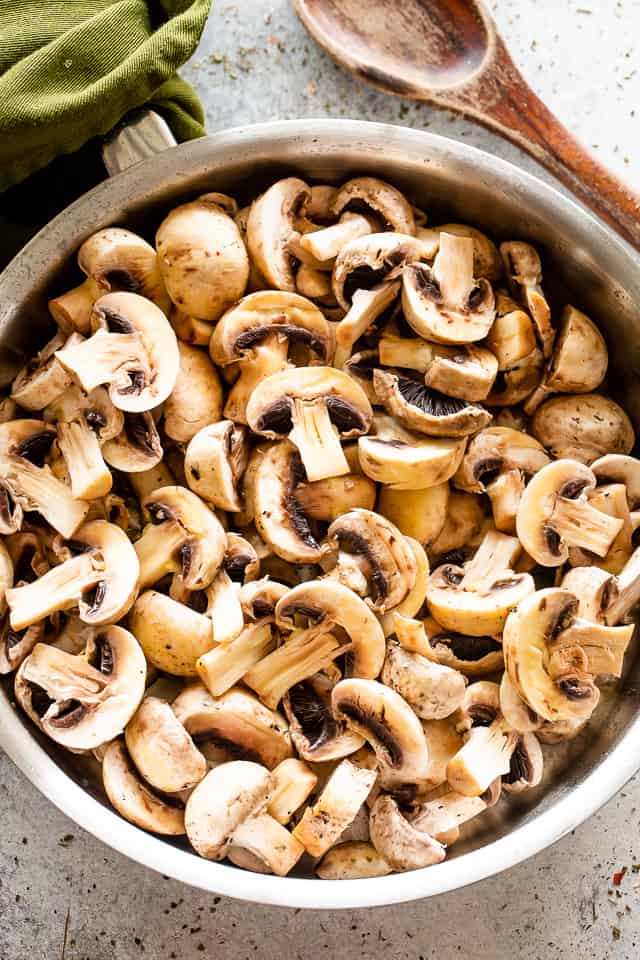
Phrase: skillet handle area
(141, 134)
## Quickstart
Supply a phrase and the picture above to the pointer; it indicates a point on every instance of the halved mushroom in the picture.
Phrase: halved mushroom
(272, 231)
(476, 599)
(609, 498)
(315, 406)
(137, 448)
(583, 427)
(326, 604)
(516, 712)
(202, 258)
(258, 598)
(117, 259)
(466, 521)
(524, 273)
(27, 483)
(555, 514)
(225, 664)
(259, 334)
(185, 537)
(302, 654)
(512, 337)
(196, 399)
(380, 715)
(616, 468)
(133, 350)
(420, 514)
(190, 329)
(498, 461)
(323, 823)
(486, 754)
(389, 561)
(161, 748)
(223, 605)
(315, 732)
(43, 379)
(514, 384)
(579, 360)
(295, 782)
(447, 812)
(486, 256)
(420, 408)
(354, 860)
(328, 499)
(378, 198)
(403, 460)
(172, 635)
(472, 655)
(445, 303)
(236, 722)
(526, 765)
(214, 462)
(133, 799)
(86, 700)
(227, 807)
(433, 691)
(325, 244)
(72, 310)
(401, 844)
(604, 598)
(100, 578)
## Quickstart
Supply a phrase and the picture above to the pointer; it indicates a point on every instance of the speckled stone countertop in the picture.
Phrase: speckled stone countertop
(65, 896)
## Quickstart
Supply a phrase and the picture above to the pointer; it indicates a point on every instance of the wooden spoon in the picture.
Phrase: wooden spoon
(449, 53)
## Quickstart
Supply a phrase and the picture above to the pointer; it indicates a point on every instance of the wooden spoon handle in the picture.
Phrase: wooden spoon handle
(501, 100)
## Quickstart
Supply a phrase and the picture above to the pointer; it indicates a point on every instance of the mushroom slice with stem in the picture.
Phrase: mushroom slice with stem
(172, 635)
(609, 498)
(227, 807)
(385, 719)
(86, 700)
(464, 372)
(401, 844)
(303, 653)
(214, 461)
(427, 411)
(315, 406)
(100, 578)
(604, 598)
(513, 385)
(524, 273)
(420, 514)
(258, 598)
(355, 860)
(486, 256)
(512, 337)
(472, 655)
(72, 310)
(133, 799)
(162, 750)
(433, 691)
(325, 244)
(445, 303)
(326, 604)
(272, 231)
(202, 258)
(241, 564)
(414, 600)
(403, 460)
(133, 351)
(43, 379)
(185, 537)
(236, 722)
(485, 755)
(389, 561)
(225, 664)
(196, 398)
(137, 448)
(476, 599)
(295, 782)
(555, 514)
(498, 461)
(117, 259)
(578, 363)
(315, 732)
(377, 198)
(583, 427)
(323, 823)
(259, 334)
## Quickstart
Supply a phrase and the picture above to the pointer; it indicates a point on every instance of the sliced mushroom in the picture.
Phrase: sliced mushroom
(554, 514)
(227, 807)
(445, 303)
(137, 448)
(272, 231)
(512, 337)
(323, 823)
(420, 514)
(101, 580)
(295, 782)
(133, 799)
(186, 537)
(476, 599)
(117, 259)
(407, 461)
(324, 245)
(399, 842)
(498, 461)
(161, 748)
(172, 635)
(355, 860)
(472, 655)
(43, 379)
(83, 701)
(325, 605)
(196, 399)
(378, 198)
(236, 722)
(524, 273)
(433, 691)
(486, 256)
(259, 334)
(315, 406)
(427, 411)
(202, 258)
(579, 360)
(214, 462)
(133, 350)
(302, 654)
(583, 427)
(315, 732)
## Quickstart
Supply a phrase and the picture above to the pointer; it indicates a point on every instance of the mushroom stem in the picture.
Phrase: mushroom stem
(326, 244)
(89, 474)
(305, 653)
(485, 756)
(157, 551)
(45, 493)
(72, 310)
(222, 667)
(628, 583)
(317, 440)
(446, 813)
(604, 647)
(496, 554)
(66, 676)
(59, 589)
(103, 358)
(224, 608)
(268, 840)
(581, 525)
(366, 306)
(505, 493)
(410, 353)
(453, 267)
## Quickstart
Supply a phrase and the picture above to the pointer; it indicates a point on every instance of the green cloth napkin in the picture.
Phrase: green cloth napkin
(71, 69)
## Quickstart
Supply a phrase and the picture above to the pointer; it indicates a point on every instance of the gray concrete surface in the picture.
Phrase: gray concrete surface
(65, 896)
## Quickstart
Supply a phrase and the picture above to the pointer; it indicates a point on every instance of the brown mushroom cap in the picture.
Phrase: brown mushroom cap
(583, 427)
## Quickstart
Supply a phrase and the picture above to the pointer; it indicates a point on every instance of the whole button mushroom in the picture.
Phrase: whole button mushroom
(314, 406)
(424, 410)
(227, 807)
(202, 258)
(133, 350)
(583, 427)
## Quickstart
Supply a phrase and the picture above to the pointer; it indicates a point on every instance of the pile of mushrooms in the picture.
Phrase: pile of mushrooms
(316, 524)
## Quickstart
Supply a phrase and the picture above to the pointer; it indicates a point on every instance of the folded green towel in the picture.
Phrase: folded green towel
(71, 69)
